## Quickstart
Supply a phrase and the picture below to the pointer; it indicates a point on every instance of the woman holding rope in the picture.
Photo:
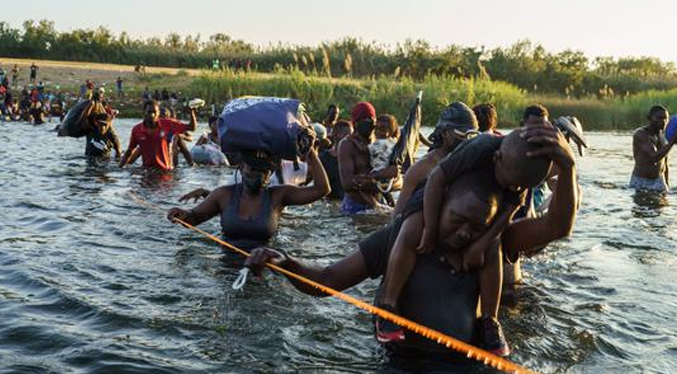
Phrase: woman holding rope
(250, 210)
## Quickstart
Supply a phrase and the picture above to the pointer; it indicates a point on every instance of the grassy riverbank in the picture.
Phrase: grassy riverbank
(388, 95)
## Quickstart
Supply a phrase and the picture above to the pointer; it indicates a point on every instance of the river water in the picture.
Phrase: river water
(92, 282)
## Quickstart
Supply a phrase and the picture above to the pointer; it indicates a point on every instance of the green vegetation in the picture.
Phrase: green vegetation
(524, 64)
(605, 93)
(388, 95)
(395, 96)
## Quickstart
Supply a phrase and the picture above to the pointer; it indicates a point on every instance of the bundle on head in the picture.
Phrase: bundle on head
(274, 125)
(78, 120)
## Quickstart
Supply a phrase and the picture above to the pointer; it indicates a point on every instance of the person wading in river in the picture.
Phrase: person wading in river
(439, 294)
(250, 210)
(361, 191)
(154, 135)
(650, 150)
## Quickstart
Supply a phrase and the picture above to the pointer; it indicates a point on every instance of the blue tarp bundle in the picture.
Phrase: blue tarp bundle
(269, 124)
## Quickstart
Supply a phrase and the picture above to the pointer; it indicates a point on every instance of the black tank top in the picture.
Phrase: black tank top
(251, 233)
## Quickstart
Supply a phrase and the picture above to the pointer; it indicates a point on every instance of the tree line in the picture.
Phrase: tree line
(525, 64)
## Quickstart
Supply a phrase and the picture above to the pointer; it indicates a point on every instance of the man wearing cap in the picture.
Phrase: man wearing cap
(455, 124)
(154, 136)
(361, 191)
(102, 138)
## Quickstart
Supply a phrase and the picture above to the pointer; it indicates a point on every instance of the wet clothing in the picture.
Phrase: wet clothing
(435, 295)
(330, 164)
(99, 145)
(248, 234)
(155, 148)
(647, 184)
(350, 206)
(380, 151)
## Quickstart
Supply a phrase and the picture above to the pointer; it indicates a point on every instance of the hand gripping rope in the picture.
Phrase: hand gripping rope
(448, 341)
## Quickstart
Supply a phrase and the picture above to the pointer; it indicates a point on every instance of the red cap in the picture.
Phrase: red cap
(363, 110)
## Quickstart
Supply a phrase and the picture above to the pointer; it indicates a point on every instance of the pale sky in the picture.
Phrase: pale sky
(596, 27)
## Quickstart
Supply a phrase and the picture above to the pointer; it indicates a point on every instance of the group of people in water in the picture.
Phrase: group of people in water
(466, 211)
(33, 103)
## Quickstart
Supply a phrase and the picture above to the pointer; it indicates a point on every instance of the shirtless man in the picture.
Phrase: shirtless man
(361, 192)
(650, 150)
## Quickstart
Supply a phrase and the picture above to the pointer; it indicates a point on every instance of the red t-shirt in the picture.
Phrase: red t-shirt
(155, 147)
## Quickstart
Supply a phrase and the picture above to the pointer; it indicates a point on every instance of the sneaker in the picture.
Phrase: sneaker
(386, 331)
(492, 338)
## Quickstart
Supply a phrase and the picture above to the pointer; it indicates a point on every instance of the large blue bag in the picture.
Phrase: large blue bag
(671, 128)
(274, 125)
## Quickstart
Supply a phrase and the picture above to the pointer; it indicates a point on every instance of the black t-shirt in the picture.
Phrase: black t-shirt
(471, 154)
(474, 154)
(436, 295)
(330, 164)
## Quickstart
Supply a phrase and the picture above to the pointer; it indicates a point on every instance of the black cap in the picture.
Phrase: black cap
(457, 116)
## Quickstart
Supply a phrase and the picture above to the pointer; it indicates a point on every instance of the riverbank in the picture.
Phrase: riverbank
(388, 94)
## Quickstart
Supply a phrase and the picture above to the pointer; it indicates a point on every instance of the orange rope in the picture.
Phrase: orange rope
(455, 344)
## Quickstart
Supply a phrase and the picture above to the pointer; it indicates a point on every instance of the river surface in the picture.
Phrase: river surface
(92, 282)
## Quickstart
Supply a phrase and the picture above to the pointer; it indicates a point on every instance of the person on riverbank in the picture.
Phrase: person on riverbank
(650, 150)
(34, 73)
(15, 75)
(118, 85)
(153, 137)
(439, 294)
(250, 210)
(455, 124)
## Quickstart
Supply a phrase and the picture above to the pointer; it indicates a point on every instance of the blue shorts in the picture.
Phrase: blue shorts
(350, 206)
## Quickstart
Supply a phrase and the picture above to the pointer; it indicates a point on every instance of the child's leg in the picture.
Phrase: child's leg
(491, 281)
(402, 259)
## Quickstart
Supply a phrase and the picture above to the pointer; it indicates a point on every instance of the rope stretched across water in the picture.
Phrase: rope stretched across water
(434, 335)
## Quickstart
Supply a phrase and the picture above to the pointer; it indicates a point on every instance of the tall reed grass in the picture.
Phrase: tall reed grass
(395, 95)
(387, 94)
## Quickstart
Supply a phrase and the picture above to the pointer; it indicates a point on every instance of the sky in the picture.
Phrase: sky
(596, 27)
